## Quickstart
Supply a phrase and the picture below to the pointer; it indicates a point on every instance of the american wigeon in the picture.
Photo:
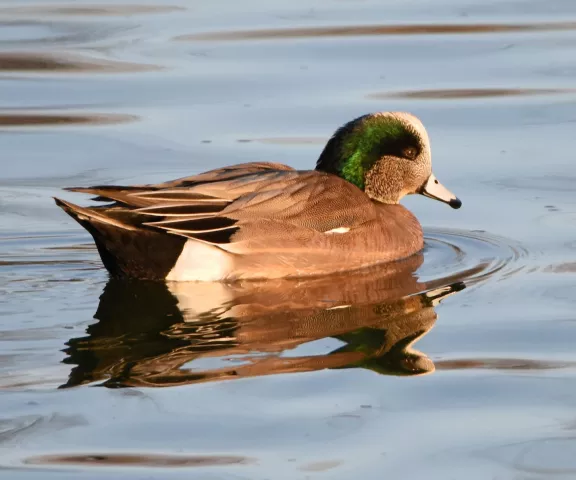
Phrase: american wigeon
(267, 220)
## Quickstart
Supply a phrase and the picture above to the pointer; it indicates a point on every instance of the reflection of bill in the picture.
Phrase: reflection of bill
(162, 335)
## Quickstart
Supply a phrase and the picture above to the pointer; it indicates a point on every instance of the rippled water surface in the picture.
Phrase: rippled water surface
(456, 363)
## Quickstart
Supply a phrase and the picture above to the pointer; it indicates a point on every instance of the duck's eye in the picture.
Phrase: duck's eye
(409, 152)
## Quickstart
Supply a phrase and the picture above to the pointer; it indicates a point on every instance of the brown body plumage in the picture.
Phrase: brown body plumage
(255, 220)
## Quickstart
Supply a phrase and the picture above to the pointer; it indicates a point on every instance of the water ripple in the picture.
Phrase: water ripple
(33, 32)
(458, 93)
(117, 10)
(458, 255)
(137, 460)
(501, 364)
(13, 119)
(369, 30)
(58, 63)
(285, 140)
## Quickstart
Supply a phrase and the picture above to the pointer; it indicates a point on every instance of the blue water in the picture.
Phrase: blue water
(357, 377)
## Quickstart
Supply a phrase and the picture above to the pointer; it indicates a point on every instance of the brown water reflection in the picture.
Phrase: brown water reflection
(364, 30)
(46, 63)
(52, 119)
(500, 364)
(147, 333)
(565, 267)
(457, 93)
(90, 9)
(137, 460)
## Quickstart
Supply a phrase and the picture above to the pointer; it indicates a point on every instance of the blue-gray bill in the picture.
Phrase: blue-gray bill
(434, 189)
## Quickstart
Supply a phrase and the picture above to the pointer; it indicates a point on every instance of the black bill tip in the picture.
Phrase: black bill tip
(455, 203)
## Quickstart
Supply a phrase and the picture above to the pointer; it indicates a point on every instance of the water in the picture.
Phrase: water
(354, 377)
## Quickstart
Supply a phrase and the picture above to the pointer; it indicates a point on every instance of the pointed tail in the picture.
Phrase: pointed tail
(127, 250)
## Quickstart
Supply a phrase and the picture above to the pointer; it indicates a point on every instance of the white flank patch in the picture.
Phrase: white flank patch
(200, 262)
(338, 230)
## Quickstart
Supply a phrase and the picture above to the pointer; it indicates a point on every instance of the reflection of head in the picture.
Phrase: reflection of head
(148, 331)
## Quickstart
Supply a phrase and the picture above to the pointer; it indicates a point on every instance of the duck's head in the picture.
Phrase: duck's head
(386, 154)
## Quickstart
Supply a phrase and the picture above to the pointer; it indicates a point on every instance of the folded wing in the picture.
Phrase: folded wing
(234, 204)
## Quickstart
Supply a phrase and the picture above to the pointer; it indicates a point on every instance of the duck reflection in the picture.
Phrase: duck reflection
(158, 335)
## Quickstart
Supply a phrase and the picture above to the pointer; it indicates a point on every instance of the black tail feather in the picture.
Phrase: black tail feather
(125, 250)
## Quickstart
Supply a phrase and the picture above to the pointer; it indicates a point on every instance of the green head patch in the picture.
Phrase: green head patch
(356, 146)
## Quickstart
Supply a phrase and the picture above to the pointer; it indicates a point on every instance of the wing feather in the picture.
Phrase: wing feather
(194, 225)
(182, 210)
(234, 204)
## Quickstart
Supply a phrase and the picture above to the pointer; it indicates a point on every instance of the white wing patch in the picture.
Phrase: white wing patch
(338, 230)
(339, 307)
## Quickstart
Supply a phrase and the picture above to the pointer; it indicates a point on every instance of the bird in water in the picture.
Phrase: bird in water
(266, 220)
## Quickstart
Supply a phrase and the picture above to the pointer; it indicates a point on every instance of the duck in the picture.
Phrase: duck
(264, 220)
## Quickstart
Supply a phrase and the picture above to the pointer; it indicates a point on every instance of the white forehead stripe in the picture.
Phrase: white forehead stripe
(409, 120)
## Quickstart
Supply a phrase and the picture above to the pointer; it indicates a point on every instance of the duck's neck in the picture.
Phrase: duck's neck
(349, 165)
(353, 170)
(340, 157)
